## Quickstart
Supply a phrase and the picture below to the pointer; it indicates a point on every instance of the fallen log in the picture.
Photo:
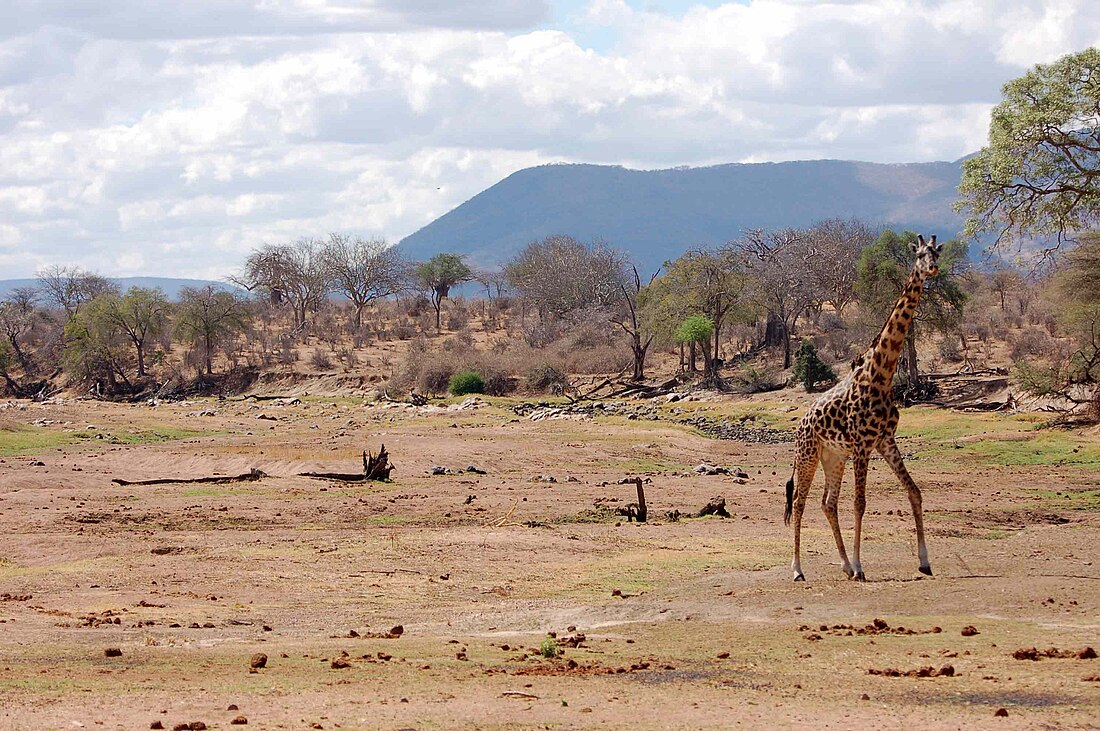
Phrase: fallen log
(250, 476)
(376, 468)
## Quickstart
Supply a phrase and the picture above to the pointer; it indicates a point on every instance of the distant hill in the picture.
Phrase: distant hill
(171, 287)
(656, 215)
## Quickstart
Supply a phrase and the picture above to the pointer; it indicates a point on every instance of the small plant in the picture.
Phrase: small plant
(465, 382)
(549, 647)
(320, 360)
(809, 369)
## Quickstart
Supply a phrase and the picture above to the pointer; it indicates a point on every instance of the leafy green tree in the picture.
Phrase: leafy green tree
(809, 369)
(883, 268)
(438, 275)
(1040, 174)
(207, 317)
(696, 330)
(95, 346)
(708, 283)
(141, 315)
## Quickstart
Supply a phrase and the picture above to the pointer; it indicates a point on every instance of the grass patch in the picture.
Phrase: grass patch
(1069, 499)
(1058, 449)
(33, 439)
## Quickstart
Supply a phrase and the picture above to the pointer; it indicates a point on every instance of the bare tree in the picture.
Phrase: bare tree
(559, 275)
(782, 282)
(495, 282)
(363, 271)
(833, 249)
(295, 273)
(68, 287)
(627, 319)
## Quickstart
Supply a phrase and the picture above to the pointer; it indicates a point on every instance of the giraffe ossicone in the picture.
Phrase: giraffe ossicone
(856, 418)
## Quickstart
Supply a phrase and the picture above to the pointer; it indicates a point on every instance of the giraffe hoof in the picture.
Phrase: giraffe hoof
(858, 576)
(926, 570)
(799, 577)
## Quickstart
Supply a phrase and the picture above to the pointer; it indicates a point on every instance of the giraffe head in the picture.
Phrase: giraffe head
(927, 255)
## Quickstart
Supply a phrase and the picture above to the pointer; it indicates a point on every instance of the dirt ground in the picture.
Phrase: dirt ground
(426, 603)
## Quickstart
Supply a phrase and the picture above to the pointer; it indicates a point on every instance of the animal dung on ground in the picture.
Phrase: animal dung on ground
(259, 660)
(947, 671)
(1034, 653)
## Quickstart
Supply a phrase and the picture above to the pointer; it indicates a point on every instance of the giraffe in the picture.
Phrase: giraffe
(856, 417)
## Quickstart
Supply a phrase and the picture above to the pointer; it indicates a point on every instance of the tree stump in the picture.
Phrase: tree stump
(377, 467)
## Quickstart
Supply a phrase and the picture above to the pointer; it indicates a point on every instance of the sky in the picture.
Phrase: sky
(158, 137)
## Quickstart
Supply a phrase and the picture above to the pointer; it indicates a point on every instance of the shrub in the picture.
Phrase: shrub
(549, 648)
(498, 383)
(546, 378)
(1030, 341)
(466, 382)
(809, 369)
(320, 360)
(757, 379)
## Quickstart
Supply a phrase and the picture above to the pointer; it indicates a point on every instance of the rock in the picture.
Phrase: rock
(340, 664)
(259, 660)
(546, 478)
(232, 707)
(969, 631)
(440, 470)
(865, 697)
(471, 468)
(709, 469)
(197, 726)
(239, 721)
(397, 630)
(156, 724)
(1001, 713)
(113, 652)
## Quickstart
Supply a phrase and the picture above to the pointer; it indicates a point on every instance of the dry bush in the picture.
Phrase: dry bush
(320, 359)
(1029, 341)
(951, 349)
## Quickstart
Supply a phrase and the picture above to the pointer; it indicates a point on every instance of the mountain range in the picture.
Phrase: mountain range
(656, 215)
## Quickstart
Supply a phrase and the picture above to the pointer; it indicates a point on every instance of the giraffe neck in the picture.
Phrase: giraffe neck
(881, 361)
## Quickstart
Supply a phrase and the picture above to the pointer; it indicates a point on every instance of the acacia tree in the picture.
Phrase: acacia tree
(708, 283)
(95, 346)
(883, 270)
(438, 275)
(140, 314)
(363, 271)
(1040, 174)
(296, 273)
(207, 317)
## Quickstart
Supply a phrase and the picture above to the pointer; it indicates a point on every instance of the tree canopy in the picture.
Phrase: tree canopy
(438, 275)
(883, 268)
(1040, 174)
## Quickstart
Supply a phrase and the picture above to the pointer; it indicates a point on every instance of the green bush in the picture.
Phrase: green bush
(549, 648)
(809, 369)
(465, 382)
(695, 329)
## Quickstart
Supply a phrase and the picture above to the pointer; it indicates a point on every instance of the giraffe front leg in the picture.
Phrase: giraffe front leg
(859, 467)
(892, 455)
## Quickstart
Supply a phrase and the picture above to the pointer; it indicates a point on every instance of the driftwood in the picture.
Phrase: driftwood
(376, 468)
(250, 476)
(716, 506)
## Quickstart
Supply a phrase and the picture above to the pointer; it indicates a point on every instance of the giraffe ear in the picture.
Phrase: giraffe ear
(913, 247)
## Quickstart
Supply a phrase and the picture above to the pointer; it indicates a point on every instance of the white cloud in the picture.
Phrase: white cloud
(176, 140)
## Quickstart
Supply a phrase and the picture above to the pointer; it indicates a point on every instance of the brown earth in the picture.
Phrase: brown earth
(426, 602)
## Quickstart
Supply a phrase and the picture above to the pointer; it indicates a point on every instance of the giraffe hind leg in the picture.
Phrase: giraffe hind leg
(804, 467)
(892, 455)
(833, 466)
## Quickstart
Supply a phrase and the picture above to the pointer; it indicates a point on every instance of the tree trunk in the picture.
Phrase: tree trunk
(683, 358)
(639, 357)
(359, 306)
(911, 358)
(691, 358)
(209, 357)
(140, 359)
(437, 302)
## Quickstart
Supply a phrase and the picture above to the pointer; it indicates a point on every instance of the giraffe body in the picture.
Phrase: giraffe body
(854, 419)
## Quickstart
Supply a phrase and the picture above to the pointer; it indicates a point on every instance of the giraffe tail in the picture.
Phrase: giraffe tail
(790, 501)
